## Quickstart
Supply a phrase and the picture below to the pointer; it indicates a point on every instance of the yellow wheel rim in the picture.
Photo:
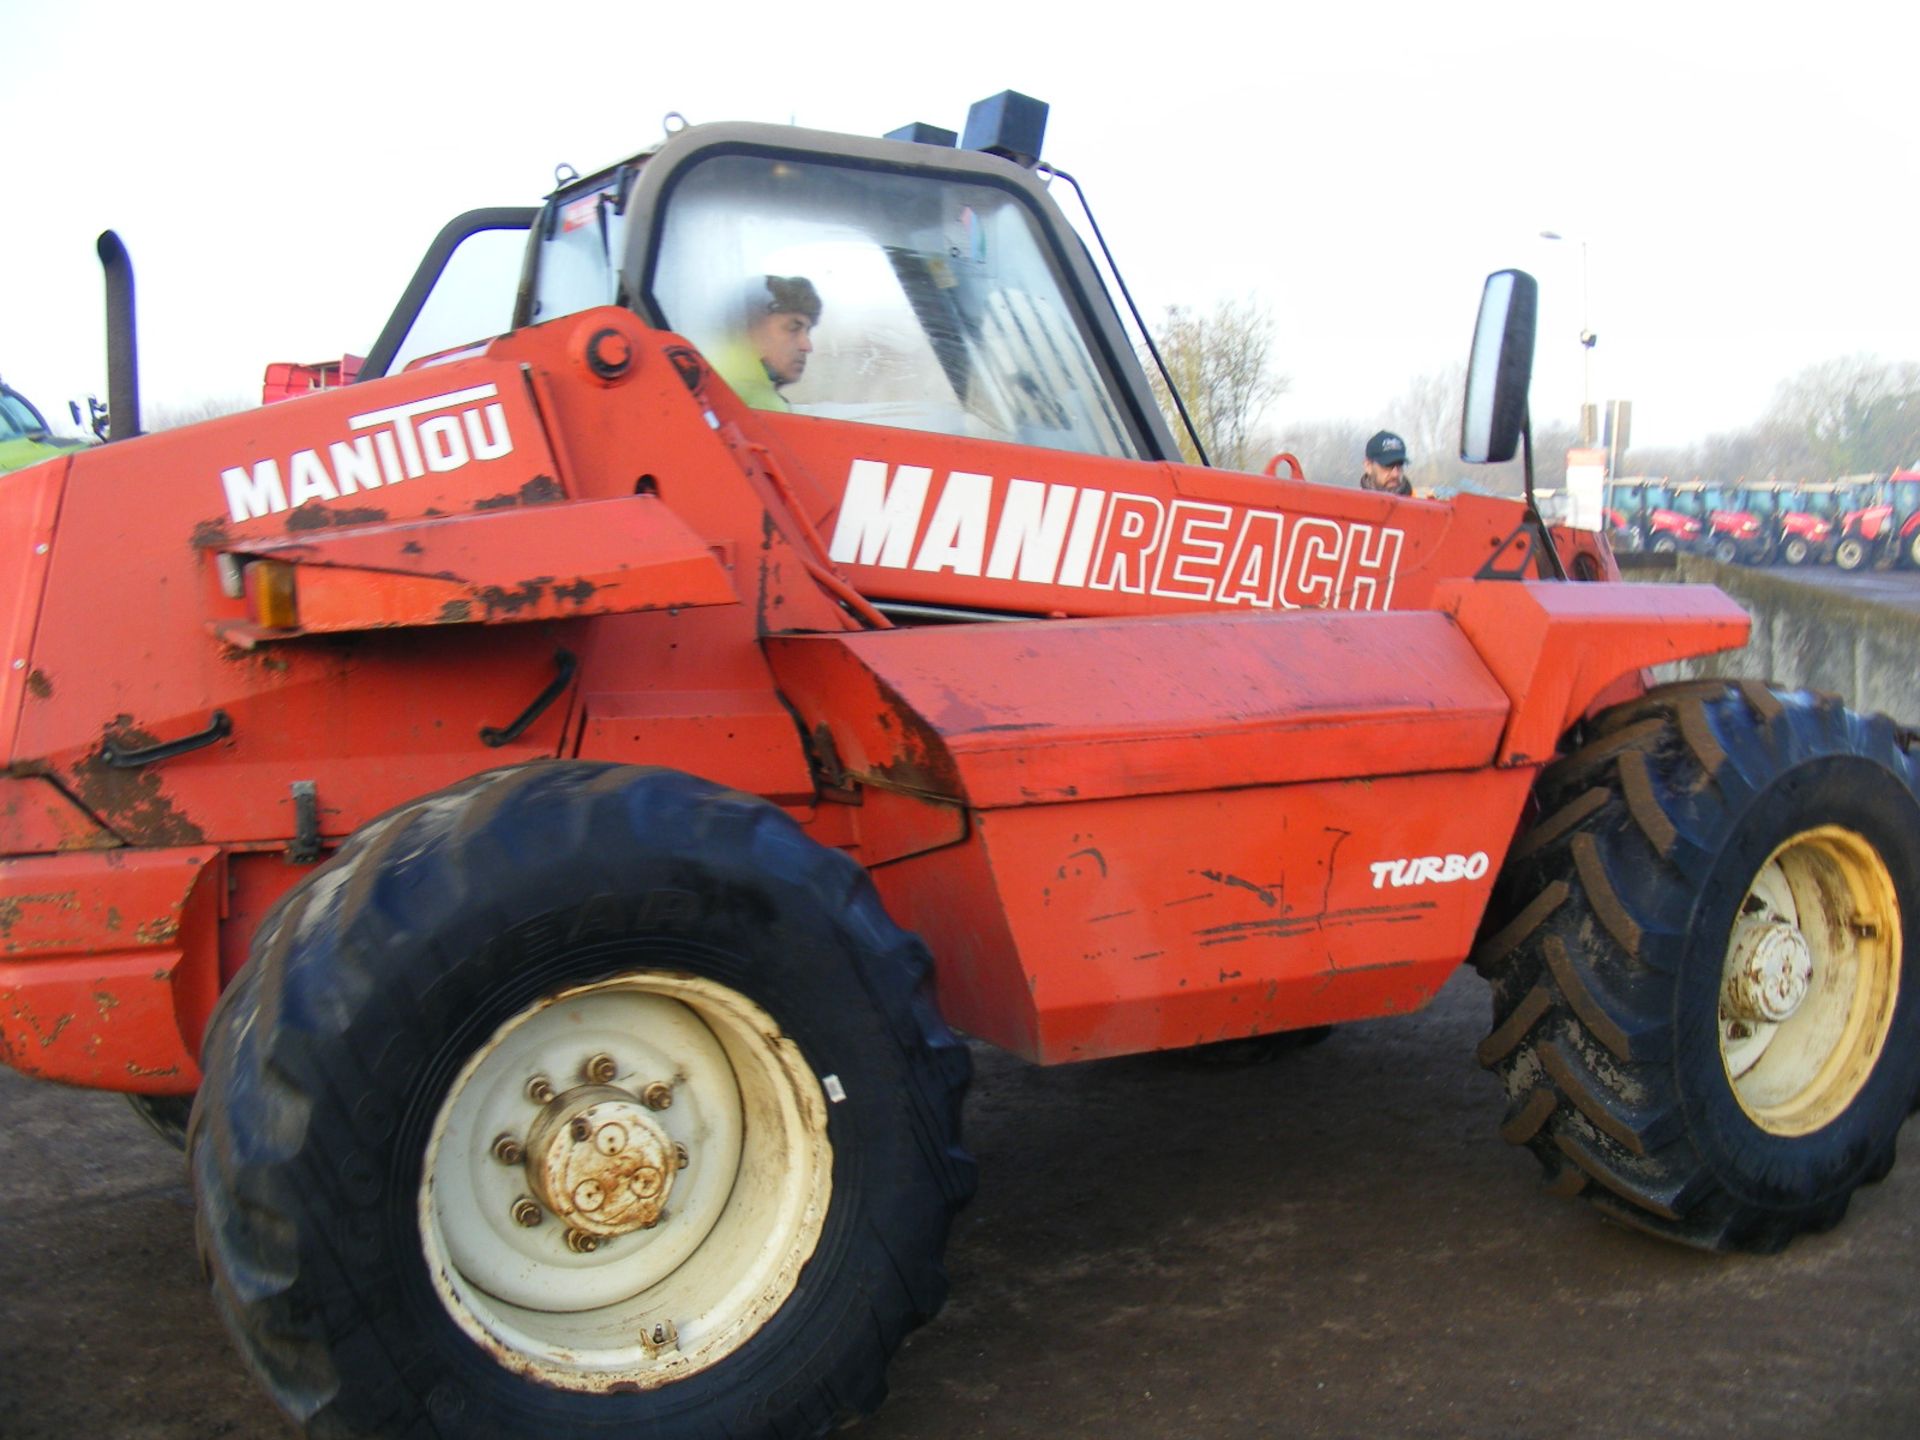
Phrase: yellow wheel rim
(1809, 980)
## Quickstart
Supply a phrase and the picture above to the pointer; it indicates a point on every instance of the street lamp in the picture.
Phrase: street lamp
(1587, 341)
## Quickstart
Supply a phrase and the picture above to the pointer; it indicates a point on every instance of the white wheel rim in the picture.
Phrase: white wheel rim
(1809, 980)
(591, 1299)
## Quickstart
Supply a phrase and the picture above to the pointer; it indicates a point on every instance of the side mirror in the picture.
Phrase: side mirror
(1500, 369)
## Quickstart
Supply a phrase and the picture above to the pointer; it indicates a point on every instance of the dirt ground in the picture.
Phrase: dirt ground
(1333, 1244)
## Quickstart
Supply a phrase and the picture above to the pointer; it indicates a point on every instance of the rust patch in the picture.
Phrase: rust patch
(455, 612)
(315, 516)
(131, 802)
(105, 1002)
(12, 907)
(922, 763)
(578, 593)
(210, 534)
(144, 1073)
(46, 1040)
(157, 931)
(38, 685)
(540, 490)
(499, 600)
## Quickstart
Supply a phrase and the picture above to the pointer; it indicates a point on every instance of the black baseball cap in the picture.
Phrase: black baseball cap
(1387, 448)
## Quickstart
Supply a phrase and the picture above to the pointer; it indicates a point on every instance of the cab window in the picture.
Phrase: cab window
(940, 306)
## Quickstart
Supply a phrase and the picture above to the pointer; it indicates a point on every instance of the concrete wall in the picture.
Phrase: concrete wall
(1804, 636)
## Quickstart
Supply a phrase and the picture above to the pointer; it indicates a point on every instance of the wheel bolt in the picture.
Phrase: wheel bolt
(681, 1159)
(526, 1212)
(539, 1089)
(507, 1150)
(657, 1096)
(580, 1129)
(581, 1243)
(600, 1069)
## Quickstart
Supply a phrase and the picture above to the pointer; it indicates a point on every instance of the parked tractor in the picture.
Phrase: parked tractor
(1804, 520)
(543, 807)
(1647, 519)
(1885, 531)
(1727, 532)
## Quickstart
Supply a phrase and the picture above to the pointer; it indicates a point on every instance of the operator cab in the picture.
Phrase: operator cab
(953, 297)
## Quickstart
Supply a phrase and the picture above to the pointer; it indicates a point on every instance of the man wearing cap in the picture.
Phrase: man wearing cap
(781, 311)
(1386, 465)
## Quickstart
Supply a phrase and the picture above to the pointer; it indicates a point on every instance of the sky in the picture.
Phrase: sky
(1741, 183)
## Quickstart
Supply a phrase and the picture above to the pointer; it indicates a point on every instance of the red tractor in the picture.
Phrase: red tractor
(543, 812)
(1885, 531)
(1726, 531)
(1641, 516)
(1805, 520)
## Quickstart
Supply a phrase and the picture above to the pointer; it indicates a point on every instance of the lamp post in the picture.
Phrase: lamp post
(1587, 342)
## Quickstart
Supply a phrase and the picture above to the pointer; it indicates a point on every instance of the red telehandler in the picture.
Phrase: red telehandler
(549, 811)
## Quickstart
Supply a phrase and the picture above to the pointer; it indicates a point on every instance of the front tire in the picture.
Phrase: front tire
(1794, 550)
(585, 1100)
(1850, 553)
(1704, 1013)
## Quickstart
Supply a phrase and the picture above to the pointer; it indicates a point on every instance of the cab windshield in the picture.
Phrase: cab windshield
(937, 303)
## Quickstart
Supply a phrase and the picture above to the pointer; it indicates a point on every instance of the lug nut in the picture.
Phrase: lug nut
(539, 1090)
(581, 1243)
(600, 1070)
(526, 1212)
(580, 1129)
(507, 1150)
(657, 1096)
(681, 1159)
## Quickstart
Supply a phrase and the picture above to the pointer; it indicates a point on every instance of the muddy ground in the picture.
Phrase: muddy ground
(1334, 1244)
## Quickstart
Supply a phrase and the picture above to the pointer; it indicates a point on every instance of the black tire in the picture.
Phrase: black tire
(1851, 553)
(447, 928)
(165, 1115)
(1665, 545)
(1611, 931)
(1795, 550)
(1726, 552)
(1912, 549)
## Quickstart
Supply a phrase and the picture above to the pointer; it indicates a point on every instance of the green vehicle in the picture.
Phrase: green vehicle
(24, 437)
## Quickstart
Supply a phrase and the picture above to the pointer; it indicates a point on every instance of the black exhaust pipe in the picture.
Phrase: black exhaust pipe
(123, 361)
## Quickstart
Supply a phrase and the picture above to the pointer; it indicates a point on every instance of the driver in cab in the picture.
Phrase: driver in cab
(780, 312)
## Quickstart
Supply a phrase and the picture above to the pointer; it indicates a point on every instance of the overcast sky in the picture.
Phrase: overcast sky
(1746, 185)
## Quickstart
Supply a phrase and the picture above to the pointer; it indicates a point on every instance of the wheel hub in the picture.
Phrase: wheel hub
(598, 1160)
(1769, 970)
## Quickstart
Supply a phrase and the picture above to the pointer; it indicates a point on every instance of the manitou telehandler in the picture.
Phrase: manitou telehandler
(549, 811)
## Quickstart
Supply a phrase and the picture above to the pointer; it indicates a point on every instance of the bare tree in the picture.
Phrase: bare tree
(1222, 366)
(1853, 414)
(1427, 417)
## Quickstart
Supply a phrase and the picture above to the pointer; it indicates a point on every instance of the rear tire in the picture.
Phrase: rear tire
(579, 1100)
(1913, 549)
(1703, 1011)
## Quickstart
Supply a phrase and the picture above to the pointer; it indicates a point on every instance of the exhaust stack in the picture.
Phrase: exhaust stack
(123, 361)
